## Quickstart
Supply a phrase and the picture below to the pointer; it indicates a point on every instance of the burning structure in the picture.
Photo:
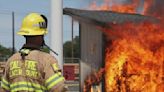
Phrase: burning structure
(129, 47)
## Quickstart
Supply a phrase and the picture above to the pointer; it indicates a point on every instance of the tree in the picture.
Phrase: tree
(68, 48)
(5, 52)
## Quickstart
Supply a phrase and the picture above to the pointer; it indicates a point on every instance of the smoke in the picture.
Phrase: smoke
(150, 7)
(156, 9)
(146, 7)
(127, 1)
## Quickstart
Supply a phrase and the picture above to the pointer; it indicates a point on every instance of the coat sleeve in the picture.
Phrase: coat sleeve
(54, 81)
(5, 78)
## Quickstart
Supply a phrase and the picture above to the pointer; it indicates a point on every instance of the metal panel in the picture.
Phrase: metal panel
(85, 70)
(91, 45)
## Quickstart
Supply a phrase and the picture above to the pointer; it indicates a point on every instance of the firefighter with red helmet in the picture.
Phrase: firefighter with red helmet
(30, 69)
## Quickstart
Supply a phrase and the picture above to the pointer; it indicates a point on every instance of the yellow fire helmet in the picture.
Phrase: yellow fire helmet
(33, 24)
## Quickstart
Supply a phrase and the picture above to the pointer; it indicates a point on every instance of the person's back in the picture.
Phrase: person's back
(38, 72)
(30, 69)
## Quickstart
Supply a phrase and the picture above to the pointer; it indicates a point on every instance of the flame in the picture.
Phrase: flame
(134, 60)
(93, 79)
(147, 4)
(123, 7)
(112, 5)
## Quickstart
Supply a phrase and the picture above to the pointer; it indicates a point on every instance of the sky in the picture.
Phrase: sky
(21, 8)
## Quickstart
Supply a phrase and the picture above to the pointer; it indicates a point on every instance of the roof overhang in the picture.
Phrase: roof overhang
(104, 18)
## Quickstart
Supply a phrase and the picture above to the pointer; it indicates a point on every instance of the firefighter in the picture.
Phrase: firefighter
(31, 69)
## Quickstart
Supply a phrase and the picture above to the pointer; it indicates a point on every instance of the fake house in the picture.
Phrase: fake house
(120, 52)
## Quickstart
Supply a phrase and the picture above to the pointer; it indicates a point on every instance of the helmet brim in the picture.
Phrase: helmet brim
(32, 32)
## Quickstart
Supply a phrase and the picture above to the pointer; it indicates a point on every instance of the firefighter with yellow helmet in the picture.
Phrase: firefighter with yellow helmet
(30, 69)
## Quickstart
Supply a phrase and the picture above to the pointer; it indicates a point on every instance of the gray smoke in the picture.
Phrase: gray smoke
(157, 8)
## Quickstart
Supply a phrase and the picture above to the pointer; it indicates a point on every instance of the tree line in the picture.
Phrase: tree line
(67, 47)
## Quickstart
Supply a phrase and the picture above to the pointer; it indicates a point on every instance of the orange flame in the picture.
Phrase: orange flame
(110, 5)
(134, 61)
(131, 7)
(93, 79)
(147, 4)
